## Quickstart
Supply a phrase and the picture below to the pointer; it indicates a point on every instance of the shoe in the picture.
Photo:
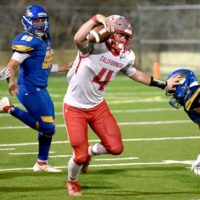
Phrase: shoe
(5, 105)
(73, 188)
(85, 166)
(44, 167)
(196, 166)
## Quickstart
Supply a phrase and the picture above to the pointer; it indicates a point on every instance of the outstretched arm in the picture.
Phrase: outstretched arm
(61, 68)
(146, 79)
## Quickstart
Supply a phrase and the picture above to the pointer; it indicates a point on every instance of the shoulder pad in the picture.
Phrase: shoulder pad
(24, 42)
(21, 48)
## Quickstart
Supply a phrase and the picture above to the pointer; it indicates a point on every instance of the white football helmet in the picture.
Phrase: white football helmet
(121, 40)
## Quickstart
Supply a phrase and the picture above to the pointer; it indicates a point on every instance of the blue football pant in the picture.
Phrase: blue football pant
(40, 109)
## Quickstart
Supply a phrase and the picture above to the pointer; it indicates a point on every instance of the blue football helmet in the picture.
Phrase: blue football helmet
(179, 95)
(30, 14)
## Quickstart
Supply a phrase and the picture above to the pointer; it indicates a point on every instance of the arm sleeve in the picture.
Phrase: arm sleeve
(129, 70)
(20, 57)
(87, 49)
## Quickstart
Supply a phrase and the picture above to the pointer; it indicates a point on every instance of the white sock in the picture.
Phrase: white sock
(198, 157)
(97, 149)
(73, 169)
(38, 160)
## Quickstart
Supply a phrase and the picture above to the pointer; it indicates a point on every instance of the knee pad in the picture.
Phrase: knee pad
(47, 129)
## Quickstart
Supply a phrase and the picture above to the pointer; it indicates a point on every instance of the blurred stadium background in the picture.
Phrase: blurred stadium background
(165, 32)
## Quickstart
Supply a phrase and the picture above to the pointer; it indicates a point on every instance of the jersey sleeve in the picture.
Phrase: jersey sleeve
(87, 49)
(20, 57)
(129, 70)
(23, 43)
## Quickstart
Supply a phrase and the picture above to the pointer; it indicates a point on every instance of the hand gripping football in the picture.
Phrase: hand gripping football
(98, 34)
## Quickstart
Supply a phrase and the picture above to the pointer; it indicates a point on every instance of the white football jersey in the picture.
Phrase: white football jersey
(90, 74)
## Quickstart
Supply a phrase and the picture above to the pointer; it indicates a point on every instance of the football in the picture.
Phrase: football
(98, 34)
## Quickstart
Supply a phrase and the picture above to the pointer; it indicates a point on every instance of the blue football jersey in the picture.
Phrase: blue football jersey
(34, 71)
(192, 104)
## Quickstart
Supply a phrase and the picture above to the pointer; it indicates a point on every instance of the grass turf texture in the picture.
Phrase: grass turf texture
(141, 173)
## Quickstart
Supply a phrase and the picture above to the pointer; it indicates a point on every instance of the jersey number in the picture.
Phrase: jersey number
(103, 83)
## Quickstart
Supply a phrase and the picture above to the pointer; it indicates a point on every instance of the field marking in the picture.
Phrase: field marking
(60, 156)
(127, 158)
(7, 149)
(120, 124)
(124, 140)
(27, 153)
(164, 162)
(147, 100)
(115, 111)
(122, 100)
(143, 110)
(98, 159)
(189, 162)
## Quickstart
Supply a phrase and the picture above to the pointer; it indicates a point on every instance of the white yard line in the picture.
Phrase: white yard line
(7, 149)
(122, 100)
(128, 158)
(164, 162)
(117, 111)
(120, 123)
(27, 153)
(60, 156)
(143, 110)
(124, 140)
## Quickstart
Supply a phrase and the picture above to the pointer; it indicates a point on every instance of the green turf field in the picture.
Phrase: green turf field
(160, 144)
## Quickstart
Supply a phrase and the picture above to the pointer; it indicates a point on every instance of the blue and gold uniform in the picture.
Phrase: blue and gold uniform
(192, 104)
(36, 68)
(32, 49)
(33, 79)
(187, 94)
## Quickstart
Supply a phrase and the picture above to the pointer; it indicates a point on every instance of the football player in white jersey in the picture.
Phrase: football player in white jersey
(84, 104)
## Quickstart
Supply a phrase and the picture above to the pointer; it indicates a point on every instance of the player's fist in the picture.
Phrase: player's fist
(13, 89)
(99, 34)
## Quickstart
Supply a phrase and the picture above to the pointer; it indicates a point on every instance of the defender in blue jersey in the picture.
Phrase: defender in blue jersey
(187, 95)
(33, 54)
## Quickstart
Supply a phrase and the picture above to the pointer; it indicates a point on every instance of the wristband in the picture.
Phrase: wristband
(158, 83)
(94, 19)
(54, 68)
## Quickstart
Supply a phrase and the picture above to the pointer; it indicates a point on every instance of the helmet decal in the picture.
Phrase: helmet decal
(32, 13)
(27, 13)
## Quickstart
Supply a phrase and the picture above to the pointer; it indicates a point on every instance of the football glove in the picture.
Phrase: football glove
(4, 73)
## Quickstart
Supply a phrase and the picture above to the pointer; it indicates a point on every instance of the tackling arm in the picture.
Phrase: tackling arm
(146, 79)
(61, 68)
